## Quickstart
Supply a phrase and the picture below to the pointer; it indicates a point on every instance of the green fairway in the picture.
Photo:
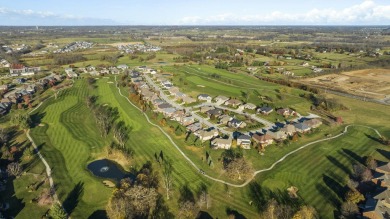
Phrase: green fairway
(68, 140)
(320, 172)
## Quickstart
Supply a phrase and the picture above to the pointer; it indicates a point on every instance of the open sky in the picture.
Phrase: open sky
(194, 12)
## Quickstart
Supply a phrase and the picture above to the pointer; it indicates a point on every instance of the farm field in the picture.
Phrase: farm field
(373, 83)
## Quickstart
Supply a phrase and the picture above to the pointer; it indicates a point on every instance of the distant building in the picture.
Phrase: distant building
(21, 70)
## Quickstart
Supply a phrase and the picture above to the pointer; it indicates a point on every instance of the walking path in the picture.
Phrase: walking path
(47, 167)
(256, 172)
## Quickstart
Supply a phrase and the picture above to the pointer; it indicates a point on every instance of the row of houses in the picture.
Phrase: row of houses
(74, 46)
(14, 96)
(270, 137)
(377, 205)
(131, 48)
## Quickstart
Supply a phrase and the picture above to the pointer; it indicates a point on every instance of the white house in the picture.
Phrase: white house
(204, 97)
(220, 143)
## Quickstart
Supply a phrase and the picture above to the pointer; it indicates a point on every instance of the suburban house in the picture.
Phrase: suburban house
(244, 141)
(233, 102)
(168, 112)
(378, 204)
(263, 140)
(205, 135)
(313, 123)
(249, 106)
(204, 97)
(384, 168)
(224, 119)
(214, 113)
(4, 64)
(278, 135)
(123, 67)
(180, 95)
(235, 123)
(221, 143)
(188, 120)
(161, 107)
(166, 84)
(70, 73)
(4, 88)
(265, 110)
(221, 99)
(173, 90)
(21, 70)
(286, 112)
(289, 129)
(301, 127)
(194, 127)
(188, 100)
(178, 115)
(204, 109)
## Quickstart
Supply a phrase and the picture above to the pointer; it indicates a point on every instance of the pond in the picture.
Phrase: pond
(108, 169)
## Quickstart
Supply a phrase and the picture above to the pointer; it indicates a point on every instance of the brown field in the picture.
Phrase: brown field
(374, 83)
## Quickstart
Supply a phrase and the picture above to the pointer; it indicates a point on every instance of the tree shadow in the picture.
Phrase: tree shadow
(374, 138)
(353, 155)
(336, 187)
(186, 194)
(98, 214)
(328, 194)
(384, 153)
(73, 197)
(161, 210)
(203, 215)
(8, 196)
(258, 195)
(36, 118)
(235, 213)
(338, 164)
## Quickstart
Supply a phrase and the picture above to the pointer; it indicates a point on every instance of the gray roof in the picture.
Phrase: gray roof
(244, 137)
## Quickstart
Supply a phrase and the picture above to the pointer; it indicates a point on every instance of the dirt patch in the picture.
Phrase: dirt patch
(374, 83)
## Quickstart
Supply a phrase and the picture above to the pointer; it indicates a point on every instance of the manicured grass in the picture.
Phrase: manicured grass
(68, 140)
(233, 85)
(320, 172)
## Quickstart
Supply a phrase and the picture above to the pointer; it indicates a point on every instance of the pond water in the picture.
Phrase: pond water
(108, 169)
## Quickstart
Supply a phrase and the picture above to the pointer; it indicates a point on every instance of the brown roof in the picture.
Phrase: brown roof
(262, 138)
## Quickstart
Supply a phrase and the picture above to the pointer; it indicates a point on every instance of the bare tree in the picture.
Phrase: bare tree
(187, 209)
(132, 201)
(306, 212)
(167, 175)
(349, 209)
(203, 196)
(371, 163)
(14, 169)
(239, 169)
(4, 135)
(121, 133)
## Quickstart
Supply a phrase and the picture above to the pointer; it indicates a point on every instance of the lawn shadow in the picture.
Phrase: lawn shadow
(73, 197)
(235, 213)
(384, 153)
(374, 138)
(8, 196)
(328, 194)
(353, 155)
(98, 214)
(333, 185)
(338, 164)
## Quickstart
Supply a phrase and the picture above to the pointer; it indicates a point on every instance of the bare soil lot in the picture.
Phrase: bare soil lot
(374, 83)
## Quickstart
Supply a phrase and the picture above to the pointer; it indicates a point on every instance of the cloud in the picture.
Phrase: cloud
(368, 13)
(29, 17)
